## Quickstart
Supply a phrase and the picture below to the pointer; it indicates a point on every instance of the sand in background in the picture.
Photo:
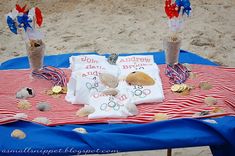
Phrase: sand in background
(126, 26)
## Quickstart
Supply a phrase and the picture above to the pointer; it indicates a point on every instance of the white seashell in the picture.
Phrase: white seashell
(20, 116)
(25, 93)
(85, 111)
(132, 109)
(19, 134)
(80, 130)
(108, 80)
(210, 121)
(42, 120)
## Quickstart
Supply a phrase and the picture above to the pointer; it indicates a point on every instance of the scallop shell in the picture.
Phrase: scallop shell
(24, 104)
(42, 120)
(210, 101)
(109, 80)
(20, 116)
(19, 134)
(139, 78)
(111, 92)
(85, 111)
(112, 59)
(205, 85)
(80, 130)
(160, 116)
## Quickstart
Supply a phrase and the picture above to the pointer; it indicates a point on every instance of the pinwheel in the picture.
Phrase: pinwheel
(21, 10)
(11, 25)
(171, 9)
(186, 6)
(20, 17)
(23, 21)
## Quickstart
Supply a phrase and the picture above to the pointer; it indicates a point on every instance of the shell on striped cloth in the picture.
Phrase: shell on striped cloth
(139, 78)
(109, 80)
(110, 91)
(85, 111)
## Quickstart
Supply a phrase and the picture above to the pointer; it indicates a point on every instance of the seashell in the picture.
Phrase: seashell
(20, 116)
(25, 93)
(210, 101)
(139, 78)
(217, 110)
(111, 92)
(80, 130)
(205, 85)
(24, 104)
(112, 59)
(108, 80)
(42, 120)
(43, 106)
(19, 134)
(210, 121)
(85, 111)
(132, 109)
(160, 116)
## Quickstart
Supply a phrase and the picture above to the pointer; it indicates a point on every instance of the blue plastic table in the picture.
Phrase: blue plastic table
(109, 138)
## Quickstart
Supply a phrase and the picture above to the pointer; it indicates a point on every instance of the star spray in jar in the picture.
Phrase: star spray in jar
(22, 20)
(175, 12)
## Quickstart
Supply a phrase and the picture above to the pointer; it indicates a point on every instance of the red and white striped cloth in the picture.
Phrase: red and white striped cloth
(175, 105)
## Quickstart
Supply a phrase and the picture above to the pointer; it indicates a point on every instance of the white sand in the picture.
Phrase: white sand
(126, 26)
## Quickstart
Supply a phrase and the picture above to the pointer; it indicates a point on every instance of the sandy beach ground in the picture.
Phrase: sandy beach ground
(127, 26)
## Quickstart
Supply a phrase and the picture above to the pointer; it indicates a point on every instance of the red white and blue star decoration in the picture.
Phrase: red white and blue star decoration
(20, 17)
(173, 9)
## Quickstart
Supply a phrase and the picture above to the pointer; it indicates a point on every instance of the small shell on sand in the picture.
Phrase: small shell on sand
(20, 116)
(24, 104)
(139, 78)
(112, 59)
(160, 116)
(85, 111)
(132, 109)
(108, 80)
(19, 134)
(210, 101)
(42, 120)
(25, 93)
(205, 85)
(80, 130)
(110, 91)
(43, 106)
